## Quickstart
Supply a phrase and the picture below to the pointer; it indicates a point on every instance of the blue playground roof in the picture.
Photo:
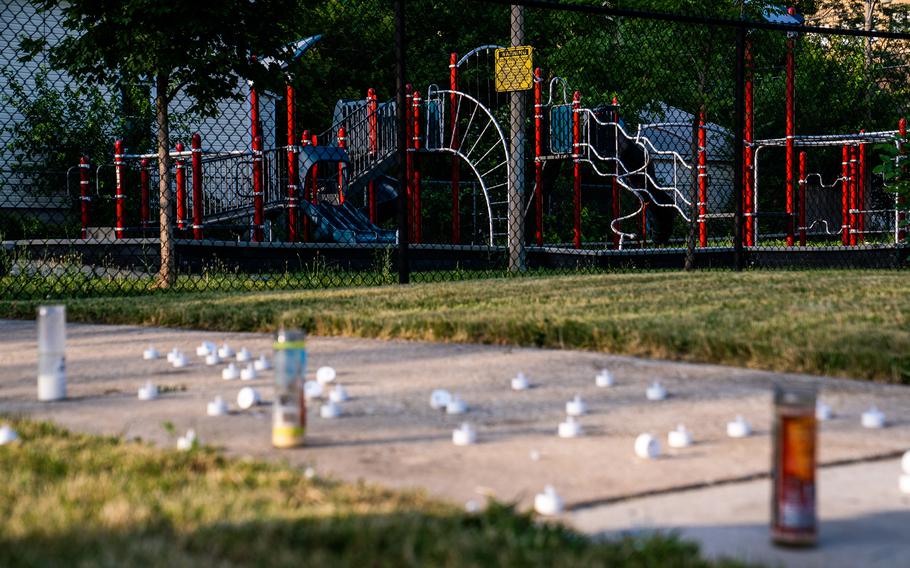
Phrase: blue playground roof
(781, 15)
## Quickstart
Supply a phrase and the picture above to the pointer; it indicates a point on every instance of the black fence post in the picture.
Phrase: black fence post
(739, 125)
(404, 268)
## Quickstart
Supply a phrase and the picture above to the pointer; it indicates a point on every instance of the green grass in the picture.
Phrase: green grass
(73, 284)
(852, 323)
(78, 500)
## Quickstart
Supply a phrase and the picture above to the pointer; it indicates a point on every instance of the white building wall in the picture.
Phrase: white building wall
(19, 18)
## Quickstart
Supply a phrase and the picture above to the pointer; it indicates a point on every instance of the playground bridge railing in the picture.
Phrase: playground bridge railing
(223, 198)
(226, 183)
(367, 132)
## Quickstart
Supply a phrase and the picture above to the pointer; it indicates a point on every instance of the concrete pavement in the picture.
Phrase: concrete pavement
(864, 519)
(389, 434)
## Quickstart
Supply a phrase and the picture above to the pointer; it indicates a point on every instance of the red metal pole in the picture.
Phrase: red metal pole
(845, 195)
(85, 197)
(257, 166)
(861, 194)
(748, 154)
(119, 196)
(180, 165)
(374, 213)
(802, 199)
(791, 131)
(144, 212)
(702, 182)
(254, 113)
(616, 202)
(538, 152)
(576, 170)
(416, 165)
(371, 197)
(372, 110)
(293, 151)
(854, 167)
(196, 143)
(342, 143)
(373, 120)
(456, 164)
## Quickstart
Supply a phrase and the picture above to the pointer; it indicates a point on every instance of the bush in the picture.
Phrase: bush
(62, 122)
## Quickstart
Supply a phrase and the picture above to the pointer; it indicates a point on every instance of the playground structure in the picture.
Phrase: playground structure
(598, 138)
(236, 190)
(249, 184)
(808, 212)
(843, 208)
(333, 187)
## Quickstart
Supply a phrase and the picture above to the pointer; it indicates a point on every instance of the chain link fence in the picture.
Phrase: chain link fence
(543, 138)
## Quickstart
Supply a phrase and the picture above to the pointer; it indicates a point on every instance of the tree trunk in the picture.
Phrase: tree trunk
(167, 271)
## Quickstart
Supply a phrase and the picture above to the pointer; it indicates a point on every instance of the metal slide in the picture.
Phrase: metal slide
(345, 224)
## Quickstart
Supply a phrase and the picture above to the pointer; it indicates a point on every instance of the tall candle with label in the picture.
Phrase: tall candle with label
(289, 408)
(793, 514)
(51, 353)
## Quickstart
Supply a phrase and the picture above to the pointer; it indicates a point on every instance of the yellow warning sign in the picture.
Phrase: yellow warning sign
(514, 70)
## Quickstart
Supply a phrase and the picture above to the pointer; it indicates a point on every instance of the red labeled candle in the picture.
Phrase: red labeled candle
(793, 504)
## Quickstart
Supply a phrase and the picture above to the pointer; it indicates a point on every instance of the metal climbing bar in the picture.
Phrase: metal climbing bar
(119, 195)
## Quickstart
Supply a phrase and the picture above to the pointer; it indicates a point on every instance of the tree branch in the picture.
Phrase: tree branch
(173, 92)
